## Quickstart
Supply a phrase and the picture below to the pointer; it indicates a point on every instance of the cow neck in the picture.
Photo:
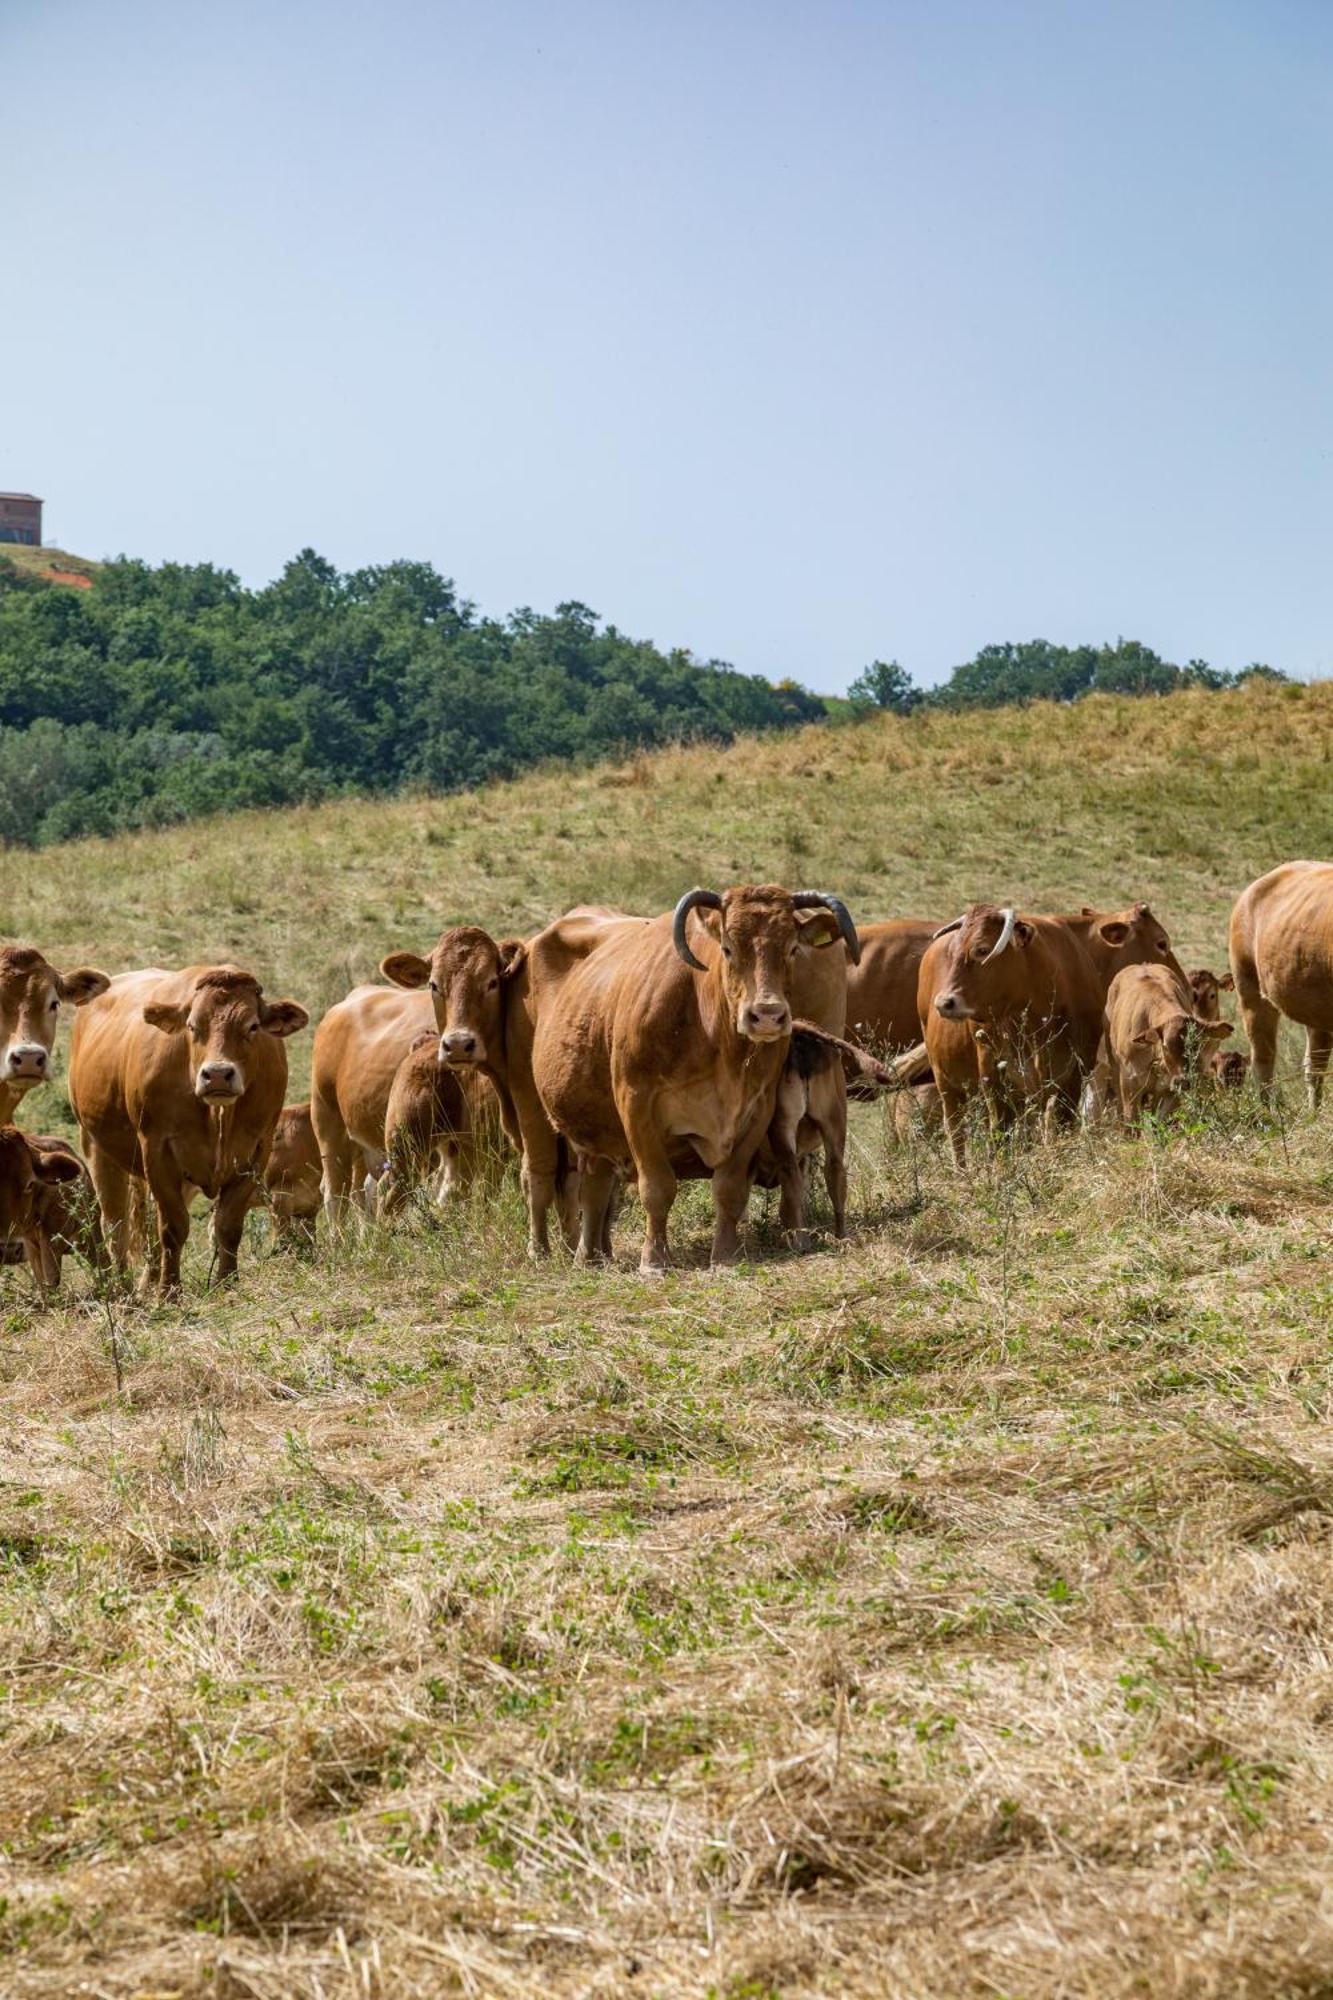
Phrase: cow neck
(222, 1118)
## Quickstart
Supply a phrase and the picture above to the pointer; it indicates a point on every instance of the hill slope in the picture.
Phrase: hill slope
(56, 564)
(944, 1614)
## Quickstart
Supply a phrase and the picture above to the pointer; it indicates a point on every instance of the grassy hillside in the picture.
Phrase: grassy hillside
(47, 561)
(942, 1615)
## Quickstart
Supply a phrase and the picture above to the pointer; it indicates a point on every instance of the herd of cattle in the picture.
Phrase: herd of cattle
(719, 1040)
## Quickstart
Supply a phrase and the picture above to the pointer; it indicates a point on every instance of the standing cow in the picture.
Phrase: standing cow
(31, 992)
(1012, 1006)
(1282, 961)
(177, 1080)
(643, 1055)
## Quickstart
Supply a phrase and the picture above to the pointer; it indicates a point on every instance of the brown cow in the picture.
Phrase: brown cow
(1282, 960)
(177, 1079)
(1012, 1006)
(1154, 1037)
(46, 1204)
(441, 1118)
(638, 1052)
(881, 986)
(31, 991)
(460, 993)
(483, 1023)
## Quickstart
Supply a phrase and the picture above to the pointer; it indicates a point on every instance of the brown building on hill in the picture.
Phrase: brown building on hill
(21, 518)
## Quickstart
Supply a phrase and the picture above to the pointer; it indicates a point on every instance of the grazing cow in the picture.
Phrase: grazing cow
(441, 1118)
(177, 1080)
(1154, 1037)
(292, 1179)
(1282, 961)
(1226, 1069)
(637, 1052)
(1206, 988)
(1012, 1006)
(31, 991)
(46, 1204)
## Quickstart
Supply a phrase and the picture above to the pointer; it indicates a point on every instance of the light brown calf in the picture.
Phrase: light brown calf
(1153, 1037)
(46, 1204)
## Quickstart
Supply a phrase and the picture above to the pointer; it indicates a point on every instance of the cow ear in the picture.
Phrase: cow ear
(1216, 1031)
(1023, 931)
(282, 1018)
(817, 927)
(1147, 1038)
(1115, 932)
(1226, 984)
(405, 968)
(82, 986)
(54, 1167)
(513, 957)
(164, 1014)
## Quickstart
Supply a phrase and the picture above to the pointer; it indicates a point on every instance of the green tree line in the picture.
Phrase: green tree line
(164, 693)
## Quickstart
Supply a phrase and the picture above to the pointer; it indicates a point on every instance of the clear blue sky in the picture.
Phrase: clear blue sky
(797, 334)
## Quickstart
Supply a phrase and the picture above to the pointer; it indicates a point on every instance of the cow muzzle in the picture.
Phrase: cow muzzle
(219, 1082)
(765, 1020)
(26, 1062)
(460, 1045)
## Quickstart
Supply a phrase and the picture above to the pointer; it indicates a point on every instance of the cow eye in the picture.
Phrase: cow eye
(726, 951)
(196, 1032)
(253, 1028)
(491, 984)
(55, 1006)
(434, 986)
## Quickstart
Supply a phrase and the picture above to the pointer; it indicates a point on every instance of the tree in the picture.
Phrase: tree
(885, 684)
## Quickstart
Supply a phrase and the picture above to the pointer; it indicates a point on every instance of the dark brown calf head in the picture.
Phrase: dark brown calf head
(985, 975)
(467, 974)
(1206, 988)
(27, 1172)
(222, 1018)
(1228, 1068)
(1176, 1042)
(30, 995)
(758, 933)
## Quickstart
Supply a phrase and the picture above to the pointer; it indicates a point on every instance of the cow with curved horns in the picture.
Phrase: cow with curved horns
(643, 1055)
(31, 992)
(177, 1080)
(1012, 1005)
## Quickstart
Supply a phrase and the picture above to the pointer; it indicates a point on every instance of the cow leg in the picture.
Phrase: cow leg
(835, 1173)
(42, 1262)
(111, 1184)
(339, 1158)
(173, 1220)
(731, 1192)
(657, 1191)
(596, 1193)
(1261, 1019)
(1318, 1048)
(229, 1213)
(953, 1105)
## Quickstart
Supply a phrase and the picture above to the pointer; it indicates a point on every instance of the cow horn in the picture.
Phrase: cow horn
(944, 929)
(1006, 933)
(693, 899)
(809, 899)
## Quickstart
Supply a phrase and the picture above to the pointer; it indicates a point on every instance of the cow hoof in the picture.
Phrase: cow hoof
(651, 1270)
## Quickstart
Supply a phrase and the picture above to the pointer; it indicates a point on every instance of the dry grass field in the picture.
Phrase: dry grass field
(946, 1614)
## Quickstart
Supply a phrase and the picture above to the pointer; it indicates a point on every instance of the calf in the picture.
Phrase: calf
(46, 1204)
(439, 1120)
(292, 1179)
(1206, 989)
(1153, 1036)
(177, 1080)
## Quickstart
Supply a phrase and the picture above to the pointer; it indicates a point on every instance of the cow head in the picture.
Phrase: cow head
(1206, 988)
(1126, 937)
(1176, 1040)
(757, 933)
(1228, 1068)
(223, 1017)
(27, 1171)
(467, 974)
(985, 973)
(30, 995)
